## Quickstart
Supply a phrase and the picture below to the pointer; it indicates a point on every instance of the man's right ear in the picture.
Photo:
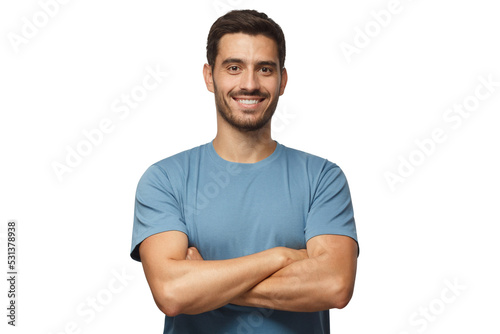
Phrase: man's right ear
(207, 75)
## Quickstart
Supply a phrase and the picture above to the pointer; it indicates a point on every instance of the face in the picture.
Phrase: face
(246, 80)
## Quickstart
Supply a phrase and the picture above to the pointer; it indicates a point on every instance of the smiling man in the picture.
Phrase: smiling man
(249, 78)
(243, 234)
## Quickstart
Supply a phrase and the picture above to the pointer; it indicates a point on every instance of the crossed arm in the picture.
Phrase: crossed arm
(319, 278)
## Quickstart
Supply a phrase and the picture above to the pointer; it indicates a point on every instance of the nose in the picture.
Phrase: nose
(249, 80)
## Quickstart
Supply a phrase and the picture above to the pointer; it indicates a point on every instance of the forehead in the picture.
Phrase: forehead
(247, 47)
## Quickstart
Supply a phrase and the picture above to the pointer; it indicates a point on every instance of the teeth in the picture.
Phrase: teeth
(248, 101)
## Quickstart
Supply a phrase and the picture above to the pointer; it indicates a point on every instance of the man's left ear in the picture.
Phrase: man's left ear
(284, 79)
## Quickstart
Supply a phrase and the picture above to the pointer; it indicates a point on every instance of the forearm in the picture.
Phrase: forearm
(193, 287)
(304, 286)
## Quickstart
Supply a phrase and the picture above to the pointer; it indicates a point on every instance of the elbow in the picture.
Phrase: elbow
(169, 302)
(341, 302)
(340, 294)
(170, 310)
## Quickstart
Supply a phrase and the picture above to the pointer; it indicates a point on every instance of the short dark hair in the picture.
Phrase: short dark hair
(248, 22)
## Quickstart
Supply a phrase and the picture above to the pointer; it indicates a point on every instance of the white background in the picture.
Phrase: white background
(364, 111)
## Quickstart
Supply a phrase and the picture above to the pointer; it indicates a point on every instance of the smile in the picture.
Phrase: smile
(248, 102)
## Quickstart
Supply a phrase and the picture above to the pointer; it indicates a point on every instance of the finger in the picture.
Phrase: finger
(193, 254)
(189, 254)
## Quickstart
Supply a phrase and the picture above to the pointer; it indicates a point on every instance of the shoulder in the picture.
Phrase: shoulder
(310, 161)
(182, 158)
(174, 167)
(319, 172)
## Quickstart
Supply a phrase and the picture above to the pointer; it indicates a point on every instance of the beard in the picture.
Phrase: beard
(240, 123)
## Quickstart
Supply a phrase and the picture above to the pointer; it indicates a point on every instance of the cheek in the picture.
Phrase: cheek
(274, 86)
(226, 83)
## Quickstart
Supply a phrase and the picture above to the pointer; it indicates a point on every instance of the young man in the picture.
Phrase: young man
(243, 234)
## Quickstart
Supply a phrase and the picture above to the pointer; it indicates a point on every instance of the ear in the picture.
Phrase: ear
(207, 75)
(284, 80)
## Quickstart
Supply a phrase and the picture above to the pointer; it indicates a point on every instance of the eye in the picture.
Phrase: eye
(233, 68)
(266, 70)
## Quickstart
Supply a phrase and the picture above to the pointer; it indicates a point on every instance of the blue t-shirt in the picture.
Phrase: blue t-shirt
(230, 210)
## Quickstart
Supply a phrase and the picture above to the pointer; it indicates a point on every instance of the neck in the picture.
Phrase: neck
(244, 147)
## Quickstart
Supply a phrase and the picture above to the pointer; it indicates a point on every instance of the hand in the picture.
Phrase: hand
(193, 254)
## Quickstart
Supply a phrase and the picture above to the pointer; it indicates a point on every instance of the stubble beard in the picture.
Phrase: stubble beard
(227, 114)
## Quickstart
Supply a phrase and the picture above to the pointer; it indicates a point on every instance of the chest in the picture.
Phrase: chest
(229, 216)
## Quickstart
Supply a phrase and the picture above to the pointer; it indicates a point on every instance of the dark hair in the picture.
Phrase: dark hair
(248, 22)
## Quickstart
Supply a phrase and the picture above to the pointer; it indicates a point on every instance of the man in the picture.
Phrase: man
(242, 234)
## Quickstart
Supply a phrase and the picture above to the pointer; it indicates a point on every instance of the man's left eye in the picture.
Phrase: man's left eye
(266, 70)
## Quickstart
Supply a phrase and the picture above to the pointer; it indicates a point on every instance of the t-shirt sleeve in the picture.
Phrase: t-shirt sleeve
(156, 208)
(331, 210)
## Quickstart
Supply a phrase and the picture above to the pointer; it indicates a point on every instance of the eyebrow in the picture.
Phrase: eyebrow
(268, 63)
(232, 60)
(240, 61)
